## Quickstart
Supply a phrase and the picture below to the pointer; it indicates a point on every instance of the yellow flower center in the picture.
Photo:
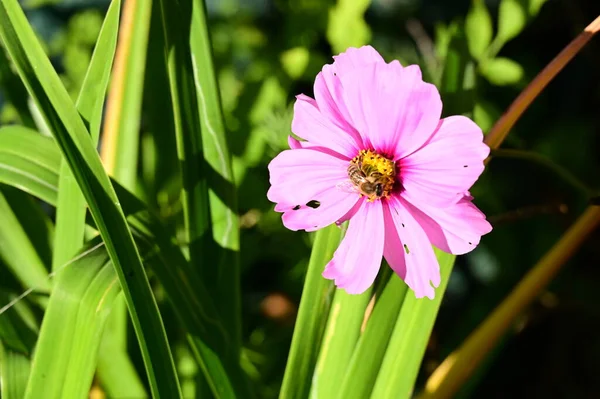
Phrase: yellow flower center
(372, 174)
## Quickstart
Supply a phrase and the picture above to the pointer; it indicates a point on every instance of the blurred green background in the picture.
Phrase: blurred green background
(480, 55)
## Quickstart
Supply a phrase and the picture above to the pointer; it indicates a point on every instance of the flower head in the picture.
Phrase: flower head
(376, 153)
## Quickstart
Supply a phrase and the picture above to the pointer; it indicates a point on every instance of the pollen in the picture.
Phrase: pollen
(376, 174)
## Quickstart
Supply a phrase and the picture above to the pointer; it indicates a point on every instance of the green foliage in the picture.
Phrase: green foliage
(478, 29)
(214, 283)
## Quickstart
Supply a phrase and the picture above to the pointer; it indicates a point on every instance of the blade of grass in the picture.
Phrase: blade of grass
(65, 357)
(371, 347)
(406, 348)
(209, 339)
(15, 91)
(71, 206)
(55, 105)
(17, 339)
(120, 138)
(341, 334)
(17, 251)
(217, 166)
(312, 317)
(14, 372)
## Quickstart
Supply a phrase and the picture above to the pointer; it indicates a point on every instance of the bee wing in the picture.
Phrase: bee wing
(347, 186)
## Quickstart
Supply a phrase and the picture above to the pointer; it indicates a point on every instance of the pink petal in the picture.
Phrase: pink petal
(329, 90)
(456, 229)
(446, 166)
(392, 108)
(297, 175)
(303, 175)
(356, 261)
(313, 125)
(325, 208)
(354, 58)
(408, 250)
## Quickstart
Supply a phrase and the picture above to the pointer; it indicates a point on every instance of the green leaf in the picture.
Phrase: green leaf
(54, 103)
(312, 316)
(371, 347)
(511, 20)
(343, 330)
(501, 71)
(210, 340)
(67, 347)
(223, 267)
(406, 348)
(14, 372)
(535, 6)
(15, 91)
(121, 134)
(478, 29)
(71, 206)
(347, 26)
(17, 250)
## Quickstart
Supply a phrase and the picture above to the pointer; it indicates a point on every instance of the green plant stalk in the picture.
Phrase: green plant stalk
(341, 335)
(73, 138)
(409, 339)
(371, 347)
(218, 170)
(312, 317)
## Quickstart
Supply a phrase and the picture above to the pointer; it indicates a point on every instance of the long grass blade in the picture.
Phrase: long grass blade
(406, 348)
(340, 338)
(312, 317)
(371, 347)
(73, 138)
(65, 358)
(209, 339)
(224, 266)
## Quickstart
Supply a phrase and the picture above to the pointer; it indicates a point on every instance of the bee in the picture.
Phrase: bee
(370, 185)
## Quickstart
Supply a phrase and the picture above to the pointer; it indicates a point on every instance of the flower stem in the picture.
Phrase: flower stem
(522, 102)
(456, 368)
(560, 171)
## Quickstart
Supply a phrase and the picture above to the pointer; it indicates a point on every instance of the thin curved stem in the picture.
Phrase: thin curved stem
(522, 102)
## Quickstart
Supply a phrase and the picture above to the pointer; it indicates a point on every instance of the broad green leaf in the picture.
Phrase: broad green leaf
(347, 26)
(223, 265)
(478, 29)
(511, 19)
(54, 103)
(312, 316)
(409, 339)
(17, 250)
(341, 334)
(368, 356)
(501, 71)
(67, 347)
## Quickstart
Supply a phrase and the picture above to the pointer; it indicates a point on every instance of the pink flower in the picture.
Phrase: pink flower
(378, 154)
